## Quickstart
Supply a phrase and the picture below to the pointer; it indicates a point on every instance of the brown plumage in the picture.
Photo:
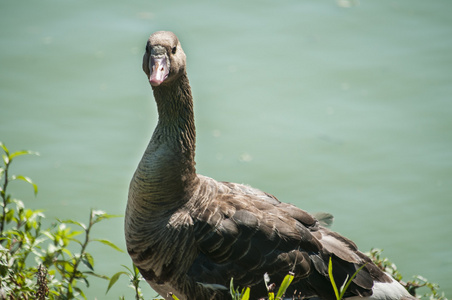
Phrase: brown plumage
(189, 234)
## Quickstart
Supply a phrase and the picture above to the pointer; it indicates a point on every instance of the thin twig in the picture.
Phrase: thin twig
(4, 197)
(82, 251)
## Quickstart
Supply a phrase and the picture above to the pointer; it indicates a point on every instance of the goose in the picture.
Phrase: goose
(189, 234)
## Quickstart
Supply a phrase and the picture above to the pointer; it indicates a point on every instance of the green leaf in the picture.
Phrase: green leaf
(70, 235)
(136, 271)
(333, 283)
(4, 148)
(73, 222)
(79, 290)
(99, 215)
(82, 276)
(19, 205)
(67, 251)
(114, 278)
(5, 159)
(49, 235)
(284, 285)
(9, 215)
(107, 216)
(236, 295)
(65, 265)
(246, 293)
(88, 260)
(23, 152)
(231, 289)
(130, 271)
(347, 283)
(97, 275)
(26, 179)
(173, 296)
(108, 243)
(98, 212)
(28, 213)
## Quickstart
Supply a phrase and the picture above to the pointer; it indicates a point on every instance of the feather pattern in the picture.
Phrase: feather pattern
(189, 234)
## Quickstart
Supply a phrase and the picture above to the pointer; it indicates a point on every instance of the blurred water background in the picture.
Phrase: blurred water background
(337, 106)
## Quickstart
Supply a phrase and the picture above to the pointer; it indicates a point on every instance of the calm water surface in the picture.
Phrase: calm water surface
(332, 108)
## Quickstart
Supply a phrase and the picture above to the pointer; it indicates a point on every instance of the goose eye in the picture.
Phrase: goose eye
(173, 50)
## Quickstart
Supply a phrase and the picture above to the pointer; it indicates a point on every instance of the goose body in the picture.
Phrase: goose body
(189, 234)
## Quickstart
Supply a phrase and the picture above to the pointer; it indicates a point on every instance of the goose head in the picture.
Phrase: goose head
(164, 59)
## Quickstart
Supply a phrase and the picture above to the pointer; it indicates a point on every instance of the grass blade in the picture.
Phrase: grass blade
(350, 281)
(284, 285)
(333, 283)
(246, 294)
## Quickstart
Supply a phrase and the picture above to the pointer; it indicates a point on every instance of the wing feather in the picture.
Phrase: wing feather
(242, 232)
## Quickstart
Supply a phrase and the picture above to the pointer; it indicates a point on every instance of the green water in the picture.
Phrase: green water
(344, 110)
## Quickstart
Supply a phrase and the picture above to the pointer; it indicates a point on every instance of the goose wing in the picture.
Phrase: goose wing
(242, 232)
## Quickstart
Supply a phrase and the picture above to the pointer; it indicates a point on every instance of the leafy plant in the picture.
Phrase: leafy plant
(135, 278)
(340, 292)
(237, 294)
(384, 264)
(418, 281)
(69, 264)
(282, 288)
(244, 293)
(56, 270)
(433, 292)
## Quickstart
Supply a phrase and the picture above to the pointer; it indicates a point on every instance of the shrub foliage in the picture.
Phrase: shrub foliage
(37, 263)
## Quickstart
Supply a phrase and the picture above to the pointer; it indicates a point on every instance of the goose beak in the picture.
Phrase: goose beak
(159, 70)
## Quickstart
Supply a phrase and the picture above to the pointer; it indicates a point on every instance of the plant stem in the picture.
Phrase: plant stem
(82, 251)
(4, 197)
(137, 292)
